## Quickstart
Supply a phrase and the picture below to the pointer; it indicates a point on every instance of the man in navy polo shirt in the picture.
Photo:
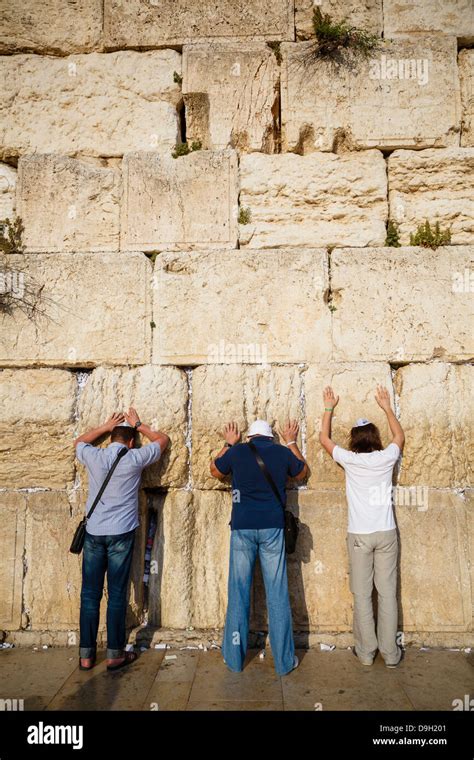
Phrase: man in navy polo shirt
(257, 525)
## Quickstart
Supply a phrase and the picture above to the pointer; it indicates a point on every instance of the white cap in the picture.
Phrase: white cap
(260, 427)
(124, 424)
(361, 422)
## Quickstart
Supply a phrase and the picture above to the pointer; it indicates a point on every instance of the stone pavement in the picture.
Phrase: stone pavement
(198, 680)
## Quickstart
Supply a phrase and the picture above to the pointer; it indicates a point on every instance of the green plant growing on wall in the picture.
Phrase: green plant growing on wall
(430, 237)
(11, 233)
(333, 37)
(245, 215)
(183, 149)
(393, 235)
(177, 78)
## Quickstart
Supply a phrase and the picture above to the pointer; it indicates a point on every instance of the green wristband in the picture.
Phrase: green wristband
(328, 410)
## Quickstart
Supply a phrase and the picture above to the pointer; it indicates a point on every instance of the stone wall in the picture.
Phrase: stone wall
(234, 282)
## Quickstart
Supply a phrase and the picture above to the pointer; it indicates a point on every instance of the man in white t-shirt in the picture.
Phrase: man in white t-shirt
(372, 535)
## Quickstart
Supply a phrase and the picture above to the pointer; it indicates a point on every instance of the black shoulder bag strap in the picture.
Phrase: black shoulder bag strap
(291, 522)
(101, 490)
(266, 472)
(80, 534)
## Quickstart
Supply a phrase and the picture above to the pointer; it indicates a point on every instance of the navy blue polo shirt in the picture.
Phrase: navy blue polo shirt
(253, 502)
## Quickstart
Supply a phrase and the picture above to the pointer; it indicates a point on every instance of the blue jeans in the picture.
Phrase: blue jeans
(114, 555)
(269, 544)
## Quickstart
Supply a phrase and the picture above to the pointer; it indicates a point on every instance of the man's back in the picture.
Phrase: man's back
(254, 504)
(117, 510)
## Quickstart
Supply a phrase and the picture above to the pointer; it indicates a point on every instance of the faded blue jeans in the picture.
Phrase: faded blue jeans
(114, 555)
(269, 544)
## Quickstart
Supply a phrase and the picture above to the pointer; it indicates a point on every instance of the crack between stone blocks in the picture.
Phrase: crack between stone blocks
(189, 428)
(304, 427)
(25, 613)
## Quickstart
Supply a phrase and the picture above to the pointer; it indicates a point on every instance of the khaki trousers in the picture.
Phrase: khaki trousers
(373, 558)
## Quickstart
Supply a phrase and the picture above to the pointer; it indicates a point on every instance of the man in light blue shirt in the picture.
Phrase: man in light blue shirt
(110, 531)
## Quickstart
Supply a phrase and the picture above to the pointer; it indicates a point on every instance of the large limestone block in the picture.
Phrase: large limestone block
(318, 573)
(68, 205)
(355, 384)
(160, 395)
(434, 565)
(12, 541)
(452, 17)
(179, 203)
(138, 23)
(95, 104)
(52, 581)
(36, 428)
(363, 14)
(321, 199)
(406, 95)
(230, 91)
(210, 558)
(437, 185)
(241, 394)
(7, 191)
(436, 411)
(191, 286)
(51, 26)
(80, 319)
(171, 604)
(401, 304)
(466, 73)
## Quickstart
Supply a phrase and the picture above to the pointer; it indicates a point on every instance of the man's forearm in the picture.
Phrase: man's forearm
(295, 450)
(326, 424)
(153, 435)
(394, 425)
(93, 435)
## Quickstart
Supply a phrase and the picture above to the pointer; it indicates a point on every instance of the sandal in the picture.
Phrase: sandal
(129, 657)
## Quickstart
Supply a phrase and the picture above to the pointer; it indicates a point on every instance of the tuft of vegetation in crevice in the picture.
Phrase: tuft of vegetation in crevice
(183, 149)
(276, 48)
(245, 215)
(430, 237)
(392, 239)
(11, 233)
(334, 37)
(177, 78)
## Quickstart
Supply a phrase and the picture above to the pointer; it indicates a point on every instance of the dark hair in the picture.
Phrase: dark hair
(365, 439)
(123, 434)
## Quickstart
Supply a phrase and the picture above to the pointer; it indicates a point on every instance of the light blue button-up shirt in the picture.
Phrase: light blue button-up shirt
(117, 510)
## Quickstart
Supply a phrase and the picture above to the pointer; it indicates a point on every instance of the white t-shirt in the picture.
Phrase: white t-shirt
(369, 487)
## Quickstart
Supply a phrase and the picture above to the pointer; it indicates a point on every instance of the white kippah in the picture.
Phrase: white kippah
(361, 422)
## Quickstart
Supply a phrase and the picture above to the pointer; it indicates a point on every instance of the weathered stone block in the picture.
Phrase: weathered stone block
(170, 597)
(68, 205)
(12, 540)
(321, 199)
(36, 428)
(318, 574)
(434, 565)
(136, 23)
(210, 558)
(402, 304)
(7, 191)
(436, 412)
(52, 581)
(437, 185)
(52, 26)
(466, 73)
(364, 14)
(405, 95)
(355, 383)
(80, 320)
(160, 396)
(190, 286)
(95, 104)
(239, 82)
(187, 202)
(242, 394)
(454, 17)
